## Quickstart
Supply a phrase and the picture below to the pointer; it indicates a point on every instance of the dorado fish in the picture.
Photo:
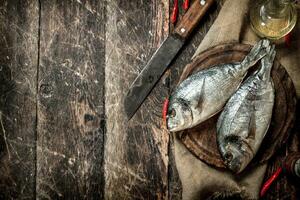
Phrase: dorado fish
(246, 117)
(204, 93)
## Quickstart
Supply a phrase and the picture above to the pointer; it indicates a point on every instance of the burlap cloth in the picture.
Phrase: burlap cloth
(198, 179)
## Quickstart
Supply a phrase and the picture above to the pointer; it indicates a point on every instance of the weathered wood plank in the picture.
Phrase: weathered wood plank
(70, 104)
(136, 152)
(18, 69)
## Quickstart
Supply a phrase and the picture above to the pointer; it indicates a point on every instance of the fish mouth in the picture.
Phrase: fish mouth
(170, 127)
(235, 166)
(174, 127)
(237, 159)
(179, 119)
(233, 162)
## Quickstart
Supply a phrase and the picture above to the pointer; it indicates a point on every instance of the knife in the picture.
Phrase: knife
(163, 56)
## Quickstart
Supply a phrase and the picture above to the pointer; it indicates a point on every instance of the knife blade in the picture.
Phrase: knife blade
(161, 59)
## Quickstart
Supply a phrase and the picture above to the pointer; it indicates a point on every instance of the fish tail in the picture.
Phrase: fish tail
(256, 53)
(265, 72)
(267, 64)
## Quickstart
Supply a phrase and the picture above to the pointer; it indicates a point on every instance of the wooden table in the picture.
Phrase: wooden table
(65, 67)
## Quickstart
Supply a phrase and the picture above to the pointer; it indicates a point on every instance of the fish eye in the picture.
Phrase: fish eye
(173, 113)
(233, 139)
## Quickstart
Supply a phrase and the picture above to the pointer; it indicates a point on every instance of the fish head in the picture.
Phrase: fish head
(236, 154)
(179, 115)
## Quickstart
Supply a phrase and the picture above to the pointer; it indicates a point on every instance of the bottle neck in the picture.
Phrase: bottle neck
(277, 7)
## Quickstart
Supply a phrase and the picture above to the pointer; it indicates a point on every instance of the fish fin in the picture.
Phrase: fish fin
(252, 125)
(267, 64)
(220, 121)
(201, 97)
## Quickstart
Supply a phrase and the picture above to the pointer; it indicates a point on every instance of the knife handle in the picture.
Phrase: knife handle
(192, 17)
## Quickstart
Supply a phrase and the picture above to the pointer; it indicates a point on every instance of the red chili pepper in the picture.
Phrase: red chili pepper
(174, 12)
(186, 5)
(165, 109)
(287, 40)
(268, 183)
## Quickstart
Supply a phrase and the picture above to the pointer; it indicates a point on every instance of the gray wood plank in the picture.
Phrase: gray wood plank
(18, 72)
(136, 152)
(70, 104)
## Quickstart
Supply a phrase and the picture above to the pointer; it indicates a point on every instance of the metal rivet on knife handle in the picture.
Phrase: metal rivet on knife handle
(192, 17)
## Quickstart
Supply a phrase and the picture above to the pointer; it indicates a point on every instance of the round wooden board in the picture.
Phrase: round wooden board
(201, 140)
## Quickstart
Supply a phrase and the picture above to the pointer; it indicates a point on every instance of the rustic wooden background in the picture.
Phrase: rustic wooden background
(65, 67)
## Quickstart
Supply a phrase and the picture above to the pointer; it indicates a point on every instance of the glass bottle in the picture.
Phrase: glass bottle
(273, 19)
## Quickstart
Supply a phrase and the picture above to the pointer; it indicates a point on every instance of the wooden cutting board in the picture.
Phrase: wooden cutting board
(201, 140)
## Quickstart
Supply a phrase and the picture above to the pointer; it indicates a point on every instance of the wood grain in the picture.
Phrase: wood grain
(136, 152)
(192, 18)
(70, 101)
(18, 69)
(201, 140)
